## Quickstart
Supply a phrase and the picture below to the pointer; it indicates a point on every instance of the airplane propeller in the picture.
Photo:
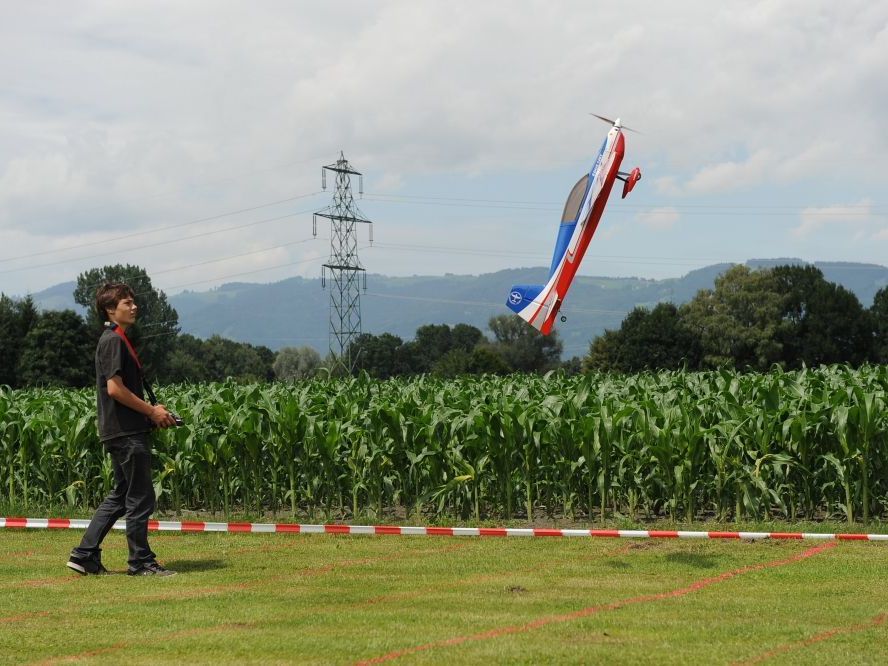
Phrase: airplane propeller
(614, 122)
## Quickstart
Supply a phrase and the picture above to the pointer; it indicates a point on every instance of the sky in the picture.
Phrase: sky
(188, 138)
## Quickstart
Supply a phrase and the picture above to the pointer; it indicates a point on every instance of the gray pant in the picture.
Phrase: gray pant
(132, 496)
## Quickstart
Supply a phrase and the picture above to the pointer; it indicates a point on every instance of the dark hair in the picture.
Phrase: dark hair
(109, 295)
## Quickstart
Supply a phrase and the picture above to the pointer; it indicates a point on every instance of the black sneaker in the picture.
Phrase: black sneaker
(86, 566)
(151, 569)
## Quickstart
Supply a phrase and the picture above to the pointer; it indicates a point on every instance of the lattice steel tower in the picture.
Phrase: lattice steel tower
(344, 264)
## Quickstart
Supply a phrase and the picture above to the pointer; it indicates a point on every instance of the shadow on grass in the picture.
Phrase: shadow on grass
(617, 564)
(190, 566)
(692, 560)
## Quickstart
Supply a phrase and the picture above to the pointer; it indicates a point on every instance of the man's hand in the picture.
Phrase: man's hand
(158, 414)
(161, 417)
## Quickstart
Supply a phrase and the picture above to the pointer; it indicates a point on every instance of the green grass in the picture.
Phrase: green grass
(259, 598)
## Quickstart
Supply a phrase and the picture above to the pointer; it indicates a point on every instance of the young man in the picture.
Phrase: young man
(125, 423)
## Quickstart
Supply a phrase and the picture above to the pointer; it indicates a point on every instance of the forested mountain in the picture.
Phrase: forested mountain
(295, 311)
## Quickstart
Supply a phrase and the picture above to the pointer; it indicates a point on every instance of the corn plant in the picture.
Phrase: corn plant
(685, 445)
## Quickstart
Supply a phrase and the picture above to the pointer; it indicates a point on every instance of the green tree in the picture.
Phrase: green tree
(429, 344)
(466, 337)
(380, 356)
(879, 318)
(572, 366)
(604, 353)
(523, 347)
(16, 319)
(822, 322)
(57, 351)
(296, 363)
(237, 360)
(483, 359)
(737, 321)
(267, 356)
(187, 362)
(651, 340)
(154, 334)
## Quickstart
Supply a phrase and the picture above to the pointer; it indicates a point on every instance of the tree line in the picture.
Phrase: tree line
(788, 316)
(56, 348)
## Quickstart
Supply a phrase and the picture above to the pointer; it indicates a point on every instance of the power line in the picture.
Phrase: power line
(512, 202)
(158, 229)
(258, 270)
(450, 301)
(665, 209)
(644, 260)
(183, 267)
(142, 247)
(666, 261)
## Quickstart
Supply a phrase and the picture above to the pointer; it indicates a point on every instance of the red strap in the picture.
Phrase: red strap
(129, 344)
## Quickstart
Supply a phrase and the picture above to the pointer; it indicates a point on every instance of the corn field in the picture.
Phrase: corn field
(686, 446)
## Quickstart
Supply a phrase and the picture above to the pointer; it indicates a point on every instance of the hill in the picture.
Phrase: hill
(295, 311)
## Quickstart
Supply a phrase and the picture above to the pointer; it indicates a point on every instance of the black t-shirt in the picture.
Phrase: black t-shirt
(116, 419)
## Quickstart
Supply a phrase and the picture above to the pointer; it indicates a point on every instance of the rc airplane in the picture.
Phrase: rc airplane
(539, 304)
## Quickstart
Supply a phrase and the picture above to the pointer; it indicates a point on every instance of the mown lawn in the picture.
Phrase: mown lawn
(270, 598)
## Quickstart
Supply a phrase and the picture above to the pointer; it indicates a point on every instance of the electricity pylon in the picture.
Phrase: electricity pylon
(344, 264)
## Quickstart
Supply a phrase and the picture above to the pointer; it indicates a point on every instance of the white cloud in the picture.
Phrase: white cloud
(124, 116)
(732, 175)
(851, 217)
(659, 219)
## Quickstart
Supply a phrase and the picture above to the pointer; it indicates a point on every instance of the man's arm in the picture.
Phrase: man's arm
(157, 413)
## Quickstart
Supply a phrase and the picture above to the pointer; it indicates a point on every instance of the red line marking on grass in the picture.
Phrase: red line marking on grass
(18, 555)
(876, 621)
(9, 619)
(180, 633)
(481, 578)
(592, 610)
(68, 578)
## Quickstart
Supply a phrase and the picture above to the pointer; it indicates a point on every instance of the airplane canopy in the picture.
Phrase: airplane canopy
(575, 200)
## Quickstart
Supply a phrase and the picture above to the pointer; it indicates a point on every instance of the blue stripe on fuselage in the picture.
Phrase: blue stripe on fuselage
(565, 231)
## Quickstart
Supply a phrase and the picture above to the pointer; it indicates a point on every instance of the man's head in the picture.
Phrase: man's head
(115, 302)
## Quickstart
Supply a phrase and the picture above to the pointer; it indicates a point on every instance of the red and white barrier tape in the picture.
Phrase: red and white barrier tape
(193, 526)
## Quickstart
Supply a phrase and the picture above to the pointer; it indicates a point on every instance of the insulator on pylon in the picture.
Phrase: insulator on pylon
(314, 225)
(323, 278)
(323, 178)
(370, 224)
(361, 185)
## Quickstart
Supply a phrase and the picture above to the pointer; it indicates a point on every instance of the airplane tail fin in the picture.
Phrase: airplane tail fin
(629, 181)
(523, 300)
